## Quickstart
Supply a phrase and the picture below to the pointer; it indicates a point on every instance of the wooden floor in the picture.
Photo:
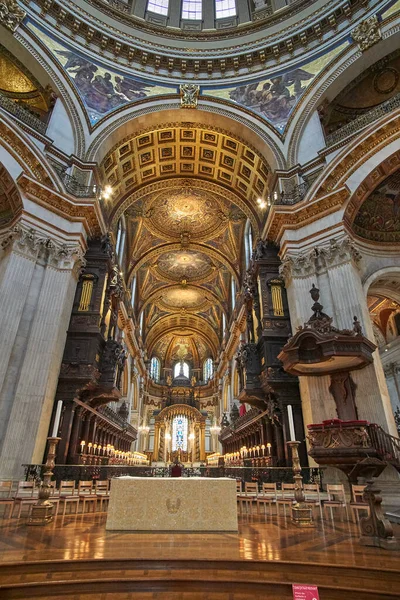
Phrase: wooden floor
(76, 558)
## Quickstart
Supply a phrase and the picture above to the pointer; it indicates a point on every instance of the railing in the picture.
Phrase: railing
(386, 445)
(116, 418)
(363, 120)
(23, 114)
(259, 474)
(74, 187)
(293, 195)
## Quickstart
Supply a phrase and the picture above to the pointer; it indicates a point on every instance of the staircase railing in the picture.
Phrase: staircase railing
(387, 446)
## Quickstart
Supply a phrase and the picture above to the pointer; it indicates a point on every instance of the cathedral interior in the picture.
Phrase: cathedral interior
(199, 286)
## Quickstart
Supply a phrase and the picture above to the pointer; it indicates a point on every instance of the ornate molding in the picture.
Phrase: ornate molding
(11, 15)
(34, 244)
(189, 95)
(367, 33)
(312, 262)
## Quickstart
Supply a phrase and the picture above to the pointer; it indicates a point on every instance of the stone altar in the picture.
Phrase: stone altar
(177, 504)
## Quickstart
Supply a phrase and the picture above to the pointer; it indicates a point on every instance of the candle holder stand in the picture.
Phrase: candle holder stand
(42, 511)
(302, 512)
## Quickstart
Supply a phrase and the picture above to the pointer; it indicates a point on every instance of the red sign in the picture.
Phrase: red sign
(305, 592)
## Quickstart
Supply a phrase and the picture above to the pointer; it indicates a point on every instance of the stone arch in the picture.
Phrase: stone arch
(150, 113)
(10, 198)
(332, 81)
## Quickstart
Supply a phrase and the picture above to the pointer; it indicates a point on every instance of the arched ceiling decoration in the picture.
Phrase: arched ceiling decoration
(376, 85)
(10, 199)
(378, 218)
(185, 150)
(186, 193)
(186, 346)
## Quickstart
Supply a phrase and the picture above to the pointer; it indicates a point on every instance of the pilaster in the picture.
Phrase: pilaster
(334, 268)
(37, 290)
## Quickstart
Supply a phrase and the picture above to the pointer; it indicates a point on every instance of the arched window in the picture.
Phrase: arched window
(141, 321)
(192, 10)
(223, 324)
(208, 369)
(233, 292)
(181, 368)
(248, 243)
(121, 232)
(158, 6)
(133, 291)
(155, 368)
(225, 8)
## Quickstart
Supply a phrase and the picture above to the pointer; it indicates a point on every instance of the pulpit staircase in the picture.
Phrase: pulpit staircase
(387, 446)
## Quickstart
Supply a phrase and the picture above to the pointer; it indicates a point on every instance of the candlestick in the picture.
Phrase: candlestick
(42, 510)
(302, 512)
(57, 419)
(291, 423)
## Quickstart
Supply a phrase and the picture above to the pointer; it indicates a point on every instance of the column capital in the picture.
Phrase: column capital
(312, 262)
(34, 244)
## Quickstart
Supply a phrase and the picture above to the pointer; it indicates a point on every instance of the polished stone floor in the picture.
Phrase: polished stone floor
(274, 538)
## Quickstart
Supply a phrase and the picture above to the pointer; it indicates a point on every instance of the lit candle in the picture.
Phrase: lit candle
(57, 418)
(263, 449)
(82, 446)
(90, 447)
(269, 449)
(291, 423)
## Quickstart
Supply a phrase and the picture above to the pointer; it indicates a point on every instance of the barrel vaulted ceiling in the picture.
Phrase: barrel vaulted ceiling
(186, 194)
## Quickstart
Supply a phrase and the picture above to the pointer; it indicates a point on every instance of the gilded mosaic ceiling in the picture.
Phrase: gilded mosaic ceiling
(185, 234)
(184, 265)
(378, 218)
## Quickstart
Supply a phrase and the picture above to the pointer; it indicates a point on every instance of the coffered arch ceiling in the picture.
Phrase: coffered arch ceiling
(186, 194)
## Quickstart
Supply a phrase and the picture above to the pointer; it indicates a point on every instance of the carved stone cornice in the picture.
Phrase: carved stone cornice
(367, 33)
(77, 209)
(299, 215)
(267, 49)
(34, 245)
(320, 258)
(11, 15)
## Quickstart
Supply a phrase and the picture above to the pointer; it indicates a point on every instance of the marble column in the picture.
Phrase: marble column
(36, 290)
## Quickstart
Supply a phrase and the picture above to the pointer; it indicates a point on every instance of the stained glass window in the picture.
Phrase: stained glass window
(155, 368)
(158, 6)
(179, 433)
(191, 9)
(225, 8)
(208, 369)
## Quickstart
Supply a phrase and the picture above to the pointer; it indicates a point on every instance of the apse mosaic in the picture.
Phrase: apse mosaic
(378, 218)
(274, 98)
(102, 90)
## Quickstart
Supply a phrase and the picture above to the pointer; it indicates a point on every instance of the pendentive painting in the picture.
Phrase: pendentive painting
(101, 89)
(274, 98)
(378, 218)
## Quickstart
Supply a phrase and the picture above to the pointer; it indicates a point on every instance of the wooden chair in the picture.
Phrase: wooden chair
(250, 494)
(5, 497)
(102, 491)
(87, 495)
(26, 494)
(313, 496)
(268, 497)
(287, 497)
(336, 499)
(357, 503)
(67, 495)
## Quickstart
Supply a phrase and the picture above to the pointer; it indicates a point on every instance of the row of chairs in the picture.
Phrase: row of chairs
(269, 496)
(88, 495)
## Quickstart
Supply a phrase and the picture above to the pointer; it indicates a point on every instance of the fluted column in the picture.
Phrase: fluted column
(40, 295)
(202, 441)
